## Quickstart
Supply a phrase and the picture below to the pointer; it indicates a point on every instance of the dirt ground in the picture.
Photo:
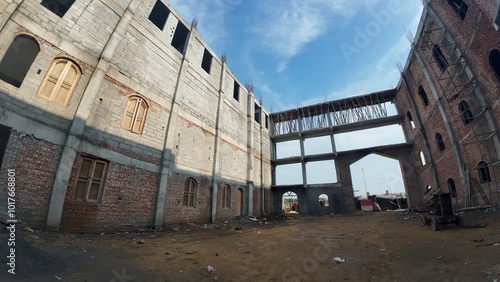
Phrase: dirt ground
(374, 246)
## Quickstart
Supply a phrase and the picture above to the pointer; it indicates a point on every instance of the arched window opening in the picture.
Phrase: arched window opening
(189, 198)
(440, 142)
(18, 59)
(465, 112)
(495, 61)
(423, 95)
(484, 172)
(59, 82)
(451, 187)
(412, 123)
(226, 196)
(323, 200)
(422, 158)
(135, 115)
(290, 202)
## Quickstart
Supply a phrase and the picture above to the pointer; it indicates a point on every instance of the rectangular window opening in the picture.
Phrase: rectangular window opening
(180, 37)
(90, 181)
(257, 113)
(460, 7)
(159, 14)
(267, 121)
(236, 91)
(58, 7)
(206, 62)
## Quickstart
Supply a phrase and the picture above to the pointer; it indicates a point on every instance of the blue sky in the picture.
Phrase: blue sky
(301, 52)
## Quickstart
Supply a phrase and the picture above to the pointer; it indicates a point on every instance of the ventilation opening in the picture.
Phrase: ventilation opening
(180, 37)
(58, 7)
(422, 158)
(465, 112)
(159, 14)
(412, 123)
(206, 62)
(440, 142)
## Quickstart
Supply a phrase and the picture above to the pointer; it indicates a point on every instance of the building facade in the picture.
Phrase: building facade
(449, 94)
(117, 114)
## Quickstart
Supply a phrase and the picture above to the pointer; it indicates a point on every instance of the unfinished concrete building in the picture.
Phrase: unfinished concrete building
(115, 113)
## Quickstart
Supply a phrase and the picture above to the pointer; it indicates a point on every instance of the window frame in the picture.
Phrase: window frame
(226, 197)
(189, 193)
(139, 101)
(60, 81)
(90, 177)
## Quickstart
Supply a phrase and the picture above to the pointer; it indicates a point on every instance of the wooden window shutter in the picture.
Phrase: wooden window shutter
(128, 117)
(60, 81)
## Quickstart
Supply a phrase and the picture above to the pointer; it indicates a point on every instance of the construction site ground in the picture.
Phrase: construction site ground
(365, 246)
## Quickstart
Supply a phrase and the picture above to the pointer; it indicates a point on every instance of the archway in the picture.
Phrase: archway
(323, 200)
(290, 202)
(379, 178)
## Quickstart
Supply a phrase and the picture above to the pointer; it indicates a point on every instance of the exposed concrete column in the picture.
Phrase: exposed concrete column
(302, 153)
(334, 146)
(250, 110)
(215, 168)
(70, 149)
(262, 194)
(167, 157)
(8, 12)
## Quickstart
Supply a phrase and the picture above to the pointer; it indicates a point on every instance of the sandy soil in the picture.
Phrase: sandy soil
(378, 246)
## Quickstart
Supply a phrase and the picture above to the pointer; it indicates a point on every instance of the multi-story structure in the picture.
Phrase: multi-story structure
(116, 113)
(449, 92)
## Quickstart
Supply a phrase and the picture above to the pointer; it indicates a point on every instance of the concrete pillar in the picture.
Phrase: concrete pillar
(215, 167)
(302, 153)
(70, 149)
(250, 117)
(167, 158)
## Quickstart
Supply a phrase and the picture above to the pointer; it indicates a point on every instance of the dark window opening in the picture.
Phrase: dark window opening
(497, 19)
(440, 142)
(257, 113)
(484, 172)
(452, 188)
(267, 121)
(206, 62)
(412, 123)
(460, 7)
(439, 56)
(4, 139)
(180, 37)
(236, 91)
(18, 59)
(465, 112)
(159, 14)
(58, 7)
(495, 62)
(423, 95)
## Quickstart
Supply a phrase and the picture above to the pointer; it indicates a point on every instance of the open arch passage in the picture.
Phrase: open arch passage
(377, 175)
(290, 202)
(323, 200)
